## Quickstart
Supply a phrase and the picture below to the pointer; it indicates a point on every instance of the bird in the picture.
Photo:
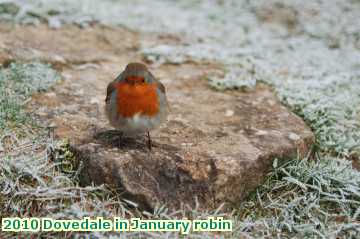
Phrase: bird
(136, 101)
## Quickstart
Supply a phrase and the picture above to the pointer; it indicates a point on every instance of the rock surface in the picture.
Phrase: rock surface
(216, 146)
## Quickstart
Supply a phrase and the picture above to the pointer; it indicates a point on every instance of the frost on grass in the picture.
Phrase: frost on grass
(166, 54)
(33, 184)
(17, 83)
(305, 199)
(331, 108)
(237, 77)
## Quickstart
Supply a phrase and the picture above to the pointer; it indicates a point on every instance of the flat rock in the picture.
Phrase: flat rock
(215, 147)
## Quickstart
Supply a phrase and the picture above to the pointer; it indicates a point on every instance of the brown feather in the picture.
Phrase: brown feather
(110, 89)
(135, 68)
(161, 86)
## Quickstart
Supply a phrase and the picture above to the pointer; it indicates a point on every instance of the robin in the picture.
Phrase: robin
(136, 101)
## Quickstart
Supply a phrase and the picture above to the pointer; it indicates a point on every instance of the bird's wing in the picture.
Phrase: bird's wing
(111, 86)
(161, 86)
(110, 89)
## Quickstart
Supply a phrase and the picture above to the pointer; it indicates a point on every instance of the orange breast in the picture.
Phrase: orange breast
(137, 99)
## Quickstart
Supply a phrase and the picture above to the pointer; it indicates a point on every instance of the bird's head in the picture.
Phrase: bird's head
(137, 74)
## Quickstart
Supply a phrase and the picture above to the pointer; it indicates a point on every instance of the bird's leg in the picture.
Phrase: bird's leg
(121, 134)
(149, 140)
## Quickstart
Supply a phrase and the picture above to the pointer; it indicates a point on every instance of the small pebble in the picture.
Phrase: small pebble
(261, 132)
(94, 100)
(229, 113)
(294, 136)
